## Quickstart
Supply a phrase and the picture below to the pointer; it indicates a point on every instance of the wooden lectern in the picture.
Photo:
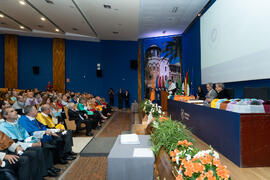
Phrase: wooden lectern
(164, 99)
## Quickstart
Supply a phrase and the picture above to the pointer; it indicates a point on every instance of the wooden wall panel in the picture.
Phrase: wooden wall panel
(59, 65)
(11, 61)
(139, 73)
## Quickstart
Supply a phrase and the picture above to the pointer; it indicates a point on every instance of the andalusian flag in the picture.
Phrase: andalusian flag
(180, 85)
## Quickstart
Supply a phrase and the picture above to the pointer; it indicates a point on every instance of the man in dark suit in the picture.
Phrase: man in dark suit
(127, 99)
(221, 93)
(79, 118)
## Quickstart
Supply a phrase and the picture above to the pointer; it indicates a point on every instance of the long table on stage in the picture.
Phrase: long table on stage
(242, 138)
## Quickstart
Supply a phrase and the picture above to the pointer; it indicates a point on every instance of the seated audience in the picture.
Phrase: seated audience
(19, 105)
(30, 145)
(30, 100)
(49, 86)
(13, 165)
(45, 118)
(79, 118)
(47, 136)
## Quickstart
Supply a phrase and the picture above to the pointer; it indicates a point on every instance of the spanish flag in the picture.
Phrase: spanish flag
(186, 79)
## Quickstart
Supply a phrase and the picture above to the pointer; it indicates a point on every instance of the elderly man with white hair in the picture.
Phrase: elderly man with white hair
(79, 118)
(221, 92)
(212, 94)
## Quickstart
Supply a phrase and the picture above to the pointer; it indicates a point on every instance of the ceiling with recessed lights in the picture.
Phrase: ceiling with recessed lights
(94, 20)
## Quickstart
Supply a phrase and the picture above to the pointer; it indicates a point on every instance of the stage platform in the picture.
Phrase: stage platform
(242, 138)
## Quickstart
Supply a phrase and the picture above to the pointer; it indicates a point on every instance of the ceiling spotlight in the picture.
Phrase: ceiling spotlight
(49, 1)
(57, 30)
(199, 14)
(1, 15)
(164, 32)
(21, 27)
(106, 6)
(22, 2)
(43, 18)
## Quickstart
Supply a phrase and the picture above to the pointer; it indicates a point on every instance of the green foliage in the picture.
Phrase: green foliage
(146, 106)
(167, 134)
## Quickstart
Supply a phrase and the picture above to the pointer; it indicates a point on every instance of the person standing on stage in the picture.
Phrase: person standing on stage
(212, 94)
(172, 87)
(120, 98)
(127, 99)
(111, 96)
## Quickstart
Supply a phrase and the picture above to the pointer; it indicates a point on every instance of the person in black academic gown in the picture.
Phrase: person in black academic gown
(111, 96)
(120, 98)
(126, 99)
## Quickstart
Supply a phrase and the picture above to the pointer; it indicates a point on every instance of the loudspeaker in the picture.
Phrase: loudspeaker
(99, 73)
(133, 64)
(35, 69)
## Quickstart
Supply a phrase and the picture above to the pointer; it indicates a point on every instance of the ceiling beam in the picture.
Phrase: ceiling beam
(15, 20)
(78, 8)
(42, 14)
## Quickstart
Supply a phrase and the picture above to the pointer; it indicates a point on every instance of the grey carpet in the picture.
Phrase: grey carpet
(98, 147)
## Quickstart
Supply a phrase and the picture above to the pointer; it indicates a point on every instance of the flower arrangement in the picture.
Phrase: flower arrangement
(152, 110)
(198, 165)
(146, 106)
(189, 161)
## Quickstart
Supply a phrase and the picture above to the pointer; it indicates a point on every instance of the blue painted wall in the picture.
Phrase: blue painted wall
(2, 61)
(192, 57)
(192, 53)
(116, 56)
(81, 64)
(34, 51)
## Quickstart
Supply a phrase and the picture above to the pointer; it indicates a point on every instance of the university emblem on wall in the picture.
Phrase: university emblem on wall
(184, 115)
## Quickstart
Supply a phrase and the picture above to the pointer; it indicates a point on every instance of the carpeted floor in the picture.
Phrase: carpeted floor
(95, 168)
(88, 168)
(122, 121)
